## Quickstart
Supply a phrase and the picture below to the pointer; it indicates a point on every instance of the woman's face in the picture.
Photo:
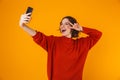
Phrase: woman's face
(65, 28)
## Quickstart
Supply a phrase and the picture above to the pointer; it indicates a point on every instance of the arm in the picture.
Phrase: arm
(46, 42)
(23, 21)
(41, 39)
(93, 36)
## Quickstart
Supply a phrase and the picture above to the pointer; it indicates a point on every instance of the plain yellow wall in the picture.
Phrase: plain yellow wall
(22, 59)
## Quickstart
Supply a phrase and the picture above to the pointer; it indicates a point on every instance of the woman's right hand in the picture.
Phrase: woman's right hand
(24, 19)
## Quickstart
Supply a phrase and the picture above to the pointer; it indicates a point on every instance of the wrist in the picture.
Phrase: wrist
(22, 25)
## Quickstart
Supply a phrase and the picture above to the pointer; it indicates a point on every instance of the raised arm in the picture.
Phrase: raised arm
(41, 39)
(93, 36)
(24, 19)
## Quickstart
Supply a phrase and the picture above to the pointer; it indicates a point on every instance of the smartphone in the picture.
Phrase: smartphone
(29, 10)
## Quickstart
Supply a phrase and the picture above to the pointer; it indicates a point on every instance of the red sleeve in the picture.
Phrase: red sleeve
(93, 36)
(43, 40)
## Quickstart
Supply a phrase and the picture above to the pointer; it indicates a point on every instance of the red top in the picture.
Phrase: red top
(66, 56)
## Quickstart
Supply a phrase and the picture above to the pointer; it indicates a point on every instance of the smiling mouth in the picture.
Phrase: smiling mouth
(63, 31)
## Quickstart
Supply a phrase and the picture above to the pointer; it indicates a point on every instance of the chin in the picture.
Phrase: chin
(63, 35)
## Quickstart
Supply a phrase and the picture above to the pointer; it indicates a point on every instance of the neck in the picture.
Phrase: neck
(68, 36)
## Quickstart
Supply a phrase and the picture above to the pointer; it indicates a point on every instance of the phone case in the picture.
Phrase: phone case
(29, 10)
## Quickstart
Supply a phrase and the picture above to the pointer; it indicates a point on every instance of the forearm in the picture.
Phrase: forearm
(29, 30)
(92, 32)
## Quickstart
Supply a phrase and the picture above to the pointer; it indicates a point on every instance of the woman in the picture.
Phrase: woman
(66, 56)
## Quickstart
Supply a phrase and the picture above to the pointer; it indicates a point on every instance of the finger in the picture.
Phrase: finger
(71, 24)
(72, 28)
(28, 14)
(25, 21)
(76, 24)
(28, 17)
(23, 16)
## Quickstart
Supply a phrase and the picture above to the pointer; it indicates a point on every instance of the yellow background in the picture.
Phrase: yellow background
(22, 59)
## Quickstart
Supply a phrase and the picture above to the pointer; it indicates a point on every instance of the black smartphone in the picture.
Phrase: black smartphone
(29, 10)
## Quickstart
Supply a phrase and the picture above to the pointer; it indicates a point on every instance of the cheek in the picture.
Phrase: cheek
(68, 30)
(68, 27)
